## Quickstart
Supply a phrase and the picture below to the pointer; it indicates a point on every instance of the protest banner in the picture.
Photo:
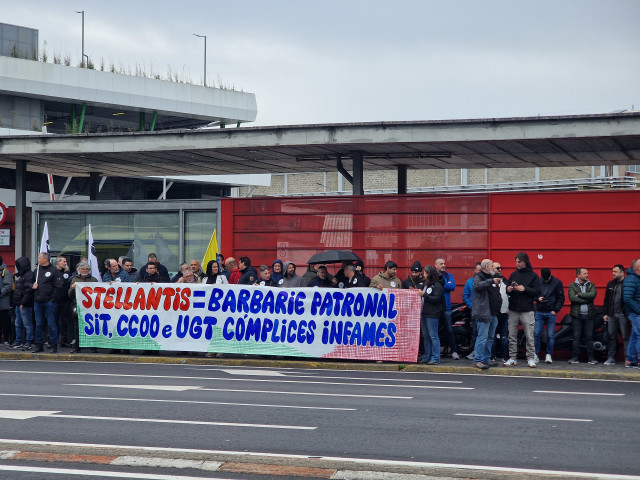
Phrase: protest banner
(357, 323)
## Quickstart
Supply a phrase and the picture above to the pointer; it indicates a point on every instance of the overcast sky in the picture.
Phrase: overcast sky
(369, 60)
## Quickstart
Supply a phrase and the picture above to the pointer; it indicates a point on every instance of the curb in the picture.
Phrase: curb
(578, 372)
(332, 468)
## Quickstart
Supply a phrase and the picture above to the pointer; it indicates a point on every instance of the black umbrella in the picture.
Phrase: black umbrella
(334, 256)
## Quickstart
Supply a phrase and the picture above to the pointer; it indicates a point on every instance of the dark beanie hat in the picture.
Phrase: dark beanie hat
(416, 267)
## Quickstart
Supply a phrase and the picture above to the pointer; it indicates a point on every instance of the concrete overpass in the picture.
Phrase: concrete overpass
(607, 139)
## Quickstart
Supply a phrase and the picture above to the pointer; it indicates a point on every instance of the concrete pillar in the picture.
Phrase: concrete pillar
(94, 185)
(358, 173)
(402, 179)
(21, 208)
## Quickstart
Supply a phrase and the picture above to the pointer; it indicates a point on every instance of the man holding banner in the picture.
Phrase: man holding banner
(47, 288)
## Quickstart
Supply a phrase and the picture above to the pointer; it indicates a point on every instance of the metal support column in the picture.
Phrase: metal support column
(142, 121)
(402, 179)
(153, 121)
(81, 122)
(94, 185)
(21, 209)
(74, 120)
(358, 173)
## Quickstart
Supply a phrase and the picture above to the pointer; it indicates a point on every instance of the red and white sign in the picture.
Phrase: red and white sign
(3, 213)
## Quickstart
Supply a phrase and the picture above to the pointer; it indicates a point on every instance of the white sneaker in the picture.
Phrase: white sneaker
(532, 363)
(536, 359)
(548, 359)
(471, 356)
(510, 363)
(610, 361)
(455, 356)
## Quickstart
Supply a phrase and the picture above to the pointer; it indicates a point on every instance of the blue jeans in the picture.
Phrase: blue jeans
(24, 318)
(542, 319)
(46, 311)
(634, 339)
(484, 342)
(431, 339)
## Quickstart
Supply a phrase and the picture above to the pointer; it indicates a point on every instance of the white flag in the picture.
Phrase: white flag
(93, 260)
(44, 245)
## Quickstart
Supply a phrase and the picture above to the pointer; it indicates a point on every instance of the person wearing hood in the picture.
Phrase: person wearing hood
(631, 297)
(277, 270)
(23, 301)
(83, 274)
(291, 280)
(387, 278)
(213, 276)
(416, 278)
(548, 304)
(523, 288)
(581, 295)
(366, 281)
(6, 288)
(310, 274)
(248, 274)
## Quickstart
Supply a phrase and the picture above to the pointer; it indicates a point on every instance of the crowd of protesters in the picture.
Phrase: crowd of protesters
(42, 301)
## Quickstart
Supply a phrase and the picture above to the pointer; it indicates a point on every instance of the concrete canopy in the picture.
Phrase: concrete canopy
(606, 139)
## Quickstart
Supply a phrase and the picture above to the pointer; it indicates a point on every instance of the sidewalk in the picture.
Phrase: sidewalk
(559, 368)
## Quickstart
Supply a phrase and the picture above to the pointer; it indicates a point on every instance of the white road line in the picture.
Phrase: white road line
(195, 402)
(293, 375)
(97, 473)
(524, 417)
(262, 391)
(581, 393)
(234, 379)
(342, 460)
(29, 414)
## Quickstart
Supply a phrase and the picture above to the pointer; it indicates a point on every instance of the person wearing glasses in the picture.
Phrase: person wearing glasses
(523, 288)
(548, 304)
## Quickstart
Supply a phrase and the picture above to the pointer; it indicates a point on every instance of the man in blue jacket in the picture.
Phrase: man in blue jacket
(449, 284)
(631, 296)
(113, 272)
(467, 298)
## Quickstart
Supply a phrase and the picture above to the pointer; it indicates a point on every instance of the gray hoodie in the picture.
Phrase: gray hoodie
(6, 287)
(291, 281)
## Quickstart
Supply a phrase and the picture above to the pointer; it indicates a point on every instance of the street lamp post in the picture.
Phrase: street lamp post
(205, 56)
(85, 58)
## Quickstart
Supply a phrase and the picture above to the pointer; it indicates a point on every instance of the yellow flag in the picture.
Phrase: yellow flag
(212, 250)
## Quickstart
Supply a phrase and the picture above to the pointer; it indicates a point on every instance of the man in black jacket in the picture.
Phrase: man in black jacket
(46, 290)
(248, 274)
(613, 310)
(523, 288)
(486, 306)
(152, 275)
(548, 304)
(23, 301)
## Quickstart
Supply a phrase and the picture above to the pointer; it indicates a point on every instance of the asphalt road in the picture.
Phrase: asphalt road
(513, 422)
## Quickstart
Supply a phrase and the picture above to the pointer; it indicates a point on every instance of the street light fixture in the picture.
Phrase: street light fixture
(85, 62)
(205, 56)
